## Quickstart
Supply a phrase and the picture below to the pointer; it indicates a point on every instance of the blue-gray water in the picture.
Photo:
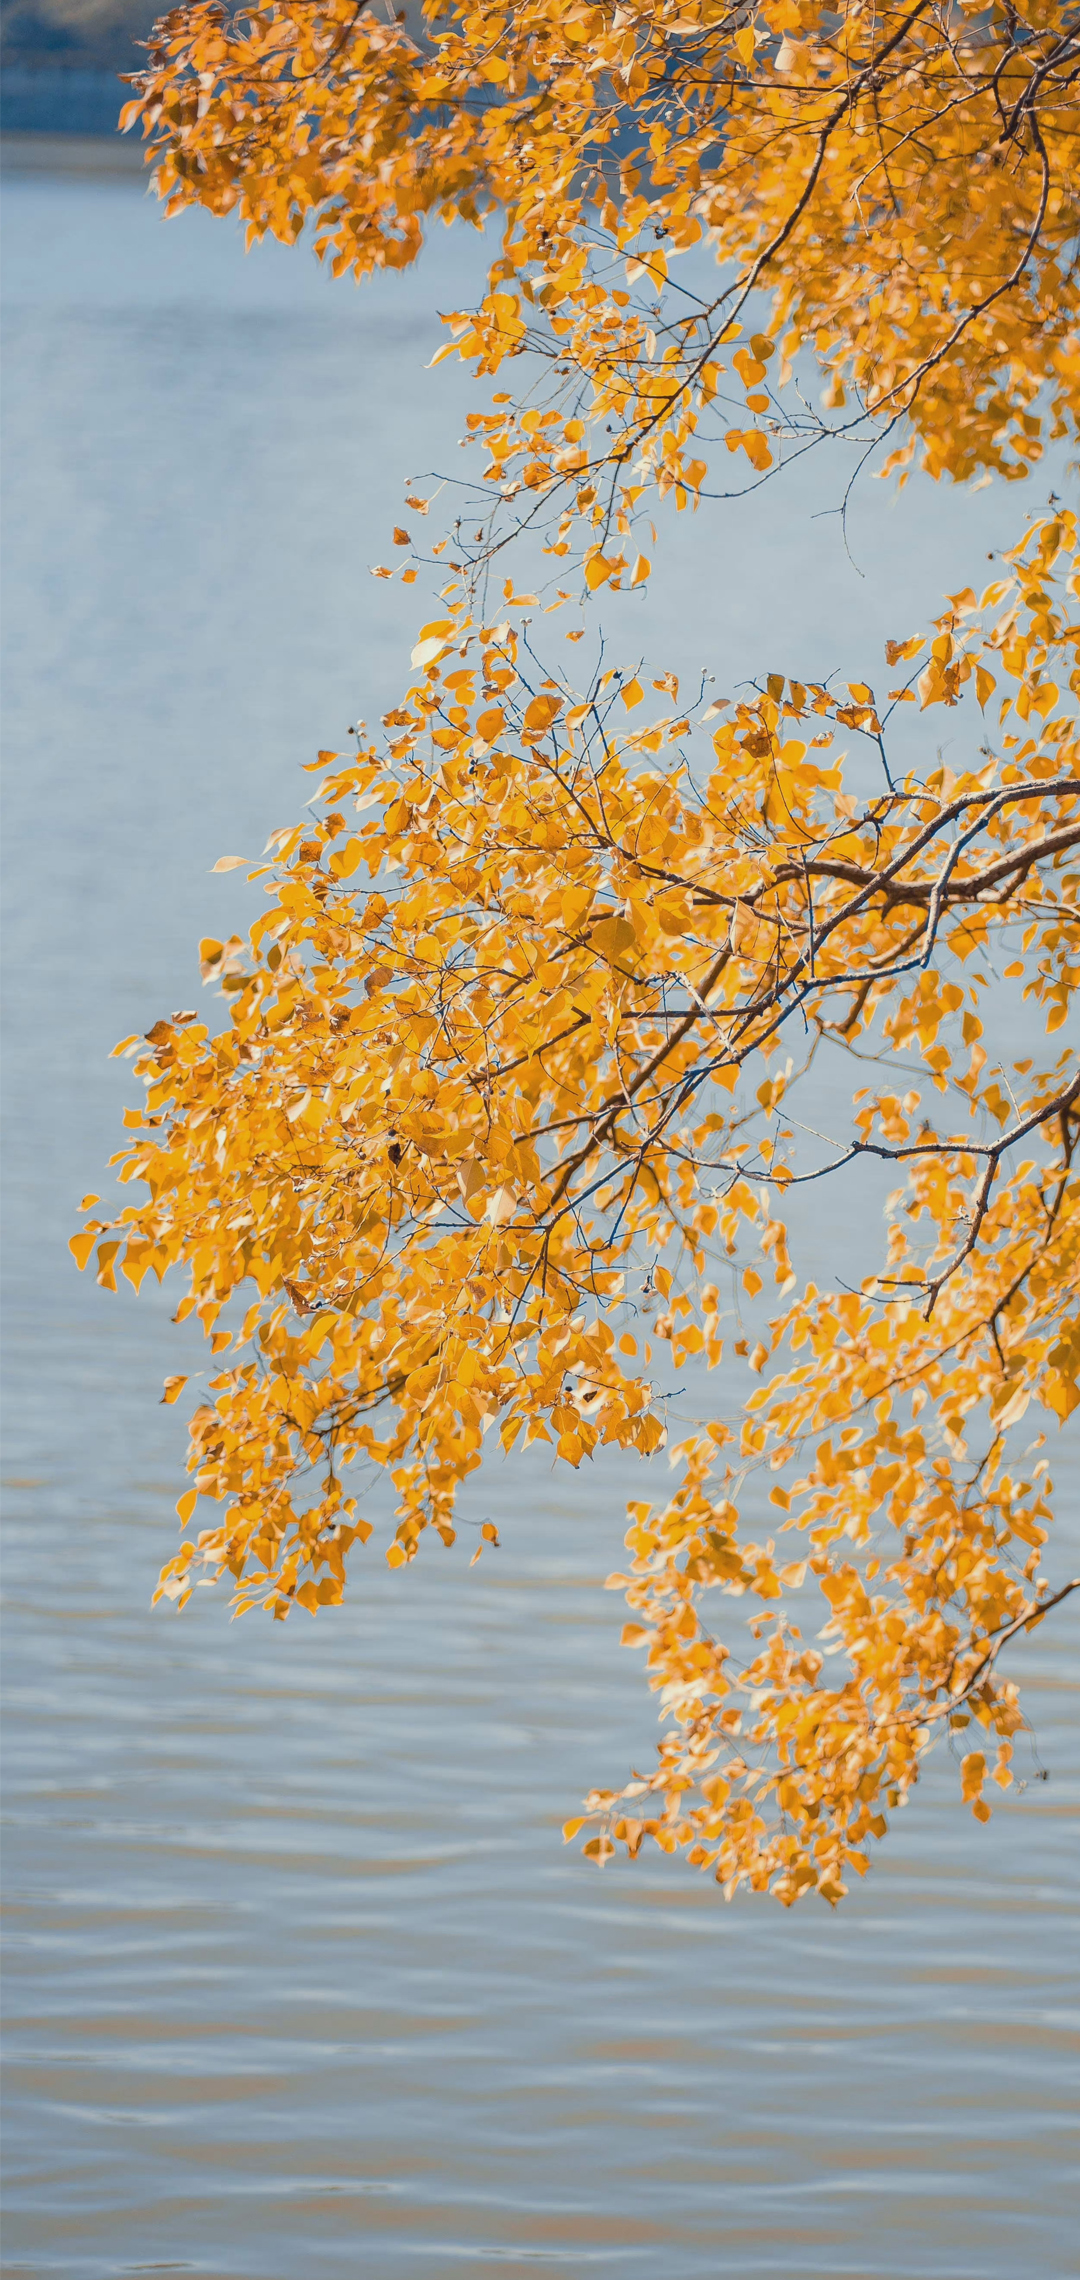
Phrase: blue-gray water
(80, 100)
(300, 1979)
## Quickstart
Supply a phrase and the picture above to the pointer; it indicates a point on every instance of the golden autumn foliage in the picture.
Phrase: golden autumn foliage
(512, 1057)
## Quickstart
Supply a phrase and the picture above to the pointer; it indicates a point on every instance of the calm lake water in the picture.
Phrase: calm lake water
(300, 1979)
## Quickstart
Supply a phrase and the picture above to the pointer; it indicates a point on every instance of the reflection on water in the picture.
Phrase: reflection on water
(300, 1978)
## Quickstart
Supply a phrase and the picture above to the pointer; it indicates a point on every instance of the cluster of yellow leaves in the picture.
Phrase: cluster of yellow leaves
(499, 1046)
(889, 192)
(512, 1053)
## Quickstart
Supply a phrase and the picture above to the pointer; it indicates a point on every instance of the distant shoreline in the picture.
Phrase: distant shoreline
(73, 99)
(39, 153)
(61, 119)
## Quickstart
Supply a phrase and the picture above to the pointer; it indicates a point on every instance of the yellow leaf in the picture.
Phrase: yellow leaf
(1013, 1409)
(896, 652)
(500, 1207)
(173, 1387)
(745, 927)
(631, 694)
(597, 570)
(345, 860)
(1062, 1395)
(972, 1775)
(470, 1178)
(613, 937)
(541, 712)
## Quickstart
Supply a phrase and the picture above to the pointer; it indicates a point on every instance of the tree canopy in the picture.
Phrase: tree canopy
(506, 1103)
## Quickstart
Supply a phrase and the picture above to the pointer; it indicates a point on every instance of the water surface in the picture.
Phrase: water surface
(300, 1979)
